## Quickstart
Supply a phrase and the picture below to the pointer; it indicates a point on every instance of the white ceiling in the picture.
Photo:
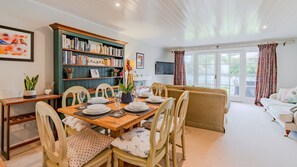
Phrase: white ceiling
(184, 23)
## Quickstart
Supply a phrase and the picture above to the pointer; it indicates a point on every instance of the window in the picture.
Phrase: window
(234, 71)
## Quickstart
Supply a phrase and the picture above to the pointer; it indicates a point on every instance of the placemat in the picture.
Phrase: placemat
(138, 113)
(92, 117)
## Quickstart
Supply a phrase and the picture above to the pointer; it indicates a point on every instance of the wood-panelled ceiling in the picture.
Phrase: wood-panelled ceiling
(175, 23)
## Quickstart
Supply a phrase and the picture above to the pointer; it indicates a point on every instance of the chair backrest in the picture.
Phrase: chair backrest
(166, 108)
(74, 90)
(181, 110)
(104, 87)
(156, 87)
(45, 113)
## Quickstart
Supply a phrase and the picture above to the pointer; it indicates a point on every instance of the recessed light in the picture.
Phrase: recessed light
(117, 4)
(264, 27)
(174, 38)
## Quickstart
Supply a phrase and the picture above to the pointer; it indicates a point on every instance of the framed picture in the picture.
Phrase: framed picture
(139, 60)
(16, 44)
(94, 73)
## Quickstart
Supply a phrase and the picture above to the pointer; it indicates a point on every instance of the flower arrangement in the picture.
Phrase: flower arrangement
(115, 72)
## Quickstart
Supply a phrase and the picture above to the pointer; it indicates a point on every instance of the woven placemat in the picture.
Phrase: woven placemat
(139, 113)
(92, 117)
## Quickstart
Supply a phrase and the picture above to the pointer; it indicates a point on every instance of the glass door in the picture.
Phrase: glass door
(229, 74)
(206, 70)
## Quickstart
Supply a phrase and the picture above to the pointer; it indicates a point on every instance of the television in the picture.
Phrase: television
(164, 68)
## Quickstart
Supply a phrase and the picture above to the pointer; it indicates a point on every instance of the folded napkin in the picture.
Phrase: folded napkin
(75, 123)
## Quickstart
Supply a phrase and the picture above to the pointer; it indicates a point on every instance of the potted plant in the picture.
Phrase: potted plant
(30, 84)
(127, 93)
(69, 71)
(114, 72)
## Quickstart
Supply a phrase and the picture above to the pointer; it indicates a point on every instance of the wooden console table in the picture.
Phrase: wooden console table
(12, 120)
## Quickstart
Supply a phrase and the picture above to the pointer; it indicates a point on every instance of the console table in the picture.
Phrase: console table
(12, 120)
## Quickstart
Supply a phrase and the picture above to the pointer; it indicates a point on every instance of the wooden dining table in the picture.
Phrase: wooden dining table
(117, 126)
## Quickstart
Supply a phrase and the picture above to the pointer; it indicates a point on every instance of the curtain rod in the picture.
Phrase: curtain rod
(233, 45)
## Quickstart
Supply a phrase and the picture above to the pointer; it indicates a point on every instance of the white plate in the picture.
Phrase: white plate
(150, 101)
(85, 111)
(90, 102)
(136, 110)
(96, 106)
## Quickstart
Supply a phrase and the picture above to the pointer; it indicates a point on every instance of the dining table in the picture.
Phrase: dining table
(116, 125)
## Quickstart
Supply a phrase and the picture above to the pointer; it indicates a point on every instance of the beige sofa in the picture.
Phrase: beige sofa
(207, 107)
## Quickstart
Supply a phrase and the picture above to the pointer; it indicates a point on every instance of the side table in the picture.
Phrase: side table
(12, 120)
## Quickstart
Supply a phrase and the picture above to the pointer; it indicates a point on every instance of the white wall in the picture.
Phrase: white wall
(35, 17)
(286, 65)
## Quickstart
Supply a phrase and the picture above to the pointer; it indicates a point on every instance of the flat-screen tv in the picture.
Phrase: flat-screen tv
(164, 68)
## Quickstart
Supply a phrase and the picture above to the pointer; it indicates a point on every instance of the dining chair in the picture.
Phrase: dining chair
(177, 129)
(104, 87)
(74, 92)
(146, 148)
(86, 148)
(158, 89)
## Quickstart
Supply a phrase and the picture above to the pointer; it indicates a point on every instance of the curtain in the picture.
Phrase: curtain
(266, 73)
(179, 71)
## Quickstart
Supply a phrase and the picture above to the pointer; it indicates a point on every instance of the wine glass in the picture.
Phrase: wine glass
(82, 96)
(117, 102)
(136, 93)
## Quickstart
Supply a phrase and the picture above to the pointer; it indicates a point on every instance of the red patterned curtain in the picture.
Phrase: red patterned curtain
(267, 72)
(180, 71)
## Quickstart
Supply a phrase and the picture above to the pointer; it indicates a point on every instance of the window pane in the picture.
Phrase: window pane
(234, 58)
(224, 80)
(210, 69)
(224, 58)
(234, 69)
(201, 69)
(201, 59)
(189, 69)
(224, 69)
(210, 59)
(234, 80)
(234, 90)
(250, 91)
(210, 79)
(251, 80)
(201, 79)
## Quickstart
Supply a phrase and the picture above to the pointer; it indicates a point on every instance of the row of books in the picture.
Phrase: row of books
(68, 57)
(90, 46)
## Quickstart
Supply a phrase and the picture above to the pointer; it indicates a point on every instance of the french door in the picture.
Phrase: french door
(234, 71)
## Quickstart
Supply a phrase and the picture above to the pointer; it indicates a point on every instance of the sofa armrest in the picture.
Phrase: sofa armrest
(295, 118)
(273, 96)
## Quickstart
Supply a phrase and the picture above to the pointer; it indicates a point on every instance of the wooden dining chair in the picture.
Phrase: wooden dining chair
(104, 87)
(155, 87)
(146, 148)
(86, 148)
(73, 92)
(178, 130)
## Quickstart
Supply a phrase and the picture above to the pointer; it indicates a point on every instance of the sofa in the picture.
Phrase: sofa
(281, 111)
(207, 107)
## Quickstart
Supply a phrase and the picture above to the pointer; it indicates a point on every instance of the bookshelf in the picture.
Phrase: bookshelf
(83, 51)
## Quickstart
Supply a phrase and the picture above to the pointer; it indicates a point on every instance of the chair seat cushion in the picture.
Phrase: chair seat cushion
(75, 123)
(281, 113)
(84, 146)
(148, 123)
(135, 142)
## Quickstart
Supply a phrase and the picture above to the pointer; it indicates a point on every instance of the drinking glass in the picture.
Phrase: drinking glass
(117, 102)
(136, 93)
(82, 96)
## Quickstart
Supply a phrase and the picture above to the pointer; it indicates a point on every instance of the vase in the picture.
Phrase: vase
(69, 75)
(127, 98)
(28, 94)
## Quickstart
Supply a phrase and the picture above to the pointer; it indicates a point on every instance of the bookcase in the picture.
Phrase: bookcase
(82, 52)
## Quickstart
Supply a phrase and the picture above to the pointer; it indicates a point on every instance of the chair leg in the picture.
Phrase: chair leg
(115, 160)
(108, 163)
(174, 152)
(183, 145)
(287, 133)
(167, 161)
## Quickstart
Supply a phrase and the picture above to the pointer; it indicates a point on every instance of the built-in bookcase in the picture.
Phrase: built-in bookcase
(83, 51)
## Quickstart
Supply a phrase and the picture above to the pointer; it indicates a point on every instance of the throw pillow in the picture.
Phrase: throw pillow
(293, 109)
(291, 97)
(282, 93)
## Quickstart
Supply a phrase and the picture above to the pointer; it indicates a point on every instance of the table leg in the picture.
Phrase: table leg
(8, 133)
(2, 127)
(116, 134)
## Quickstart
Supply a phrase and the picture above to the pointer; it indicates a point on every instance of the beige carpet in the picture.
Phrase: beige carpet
(251, 140)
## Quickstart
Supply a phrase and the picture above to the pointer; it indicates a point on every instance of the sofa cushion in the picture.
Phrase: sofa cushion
(281, 113)
(268, 102)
